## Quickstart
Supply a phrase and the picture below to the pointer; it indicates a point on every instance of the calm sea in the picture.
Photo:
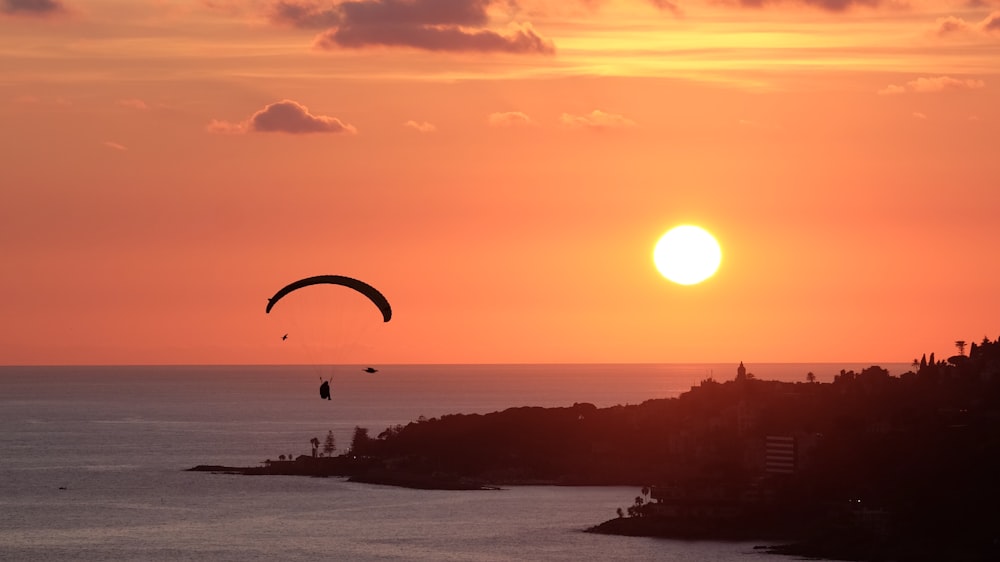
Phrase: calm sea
(92, 463)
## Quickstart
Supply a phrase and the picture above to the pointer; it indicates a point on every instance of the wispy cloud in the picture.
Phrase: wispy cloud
(285, 116)
(420, 126)
(667, 6)
(307, 14)
(509, 119)
(31, 7)
(952, 26)
(228, 7)
(826, 5)
(597, 120)
(133, 104)
(431, 25)
(115, 145)
(220, 127)
(933, 85)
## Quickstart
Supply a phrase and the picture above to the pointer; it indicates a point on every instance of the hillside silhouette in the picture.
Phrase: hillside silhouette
(869, 466)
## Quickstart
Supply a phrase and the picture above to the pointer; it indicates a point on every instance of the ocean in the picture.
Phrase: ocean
(93, 459)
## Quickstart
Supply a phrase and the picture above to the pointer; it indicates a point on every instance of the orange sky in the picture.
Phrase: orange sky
(501, 171)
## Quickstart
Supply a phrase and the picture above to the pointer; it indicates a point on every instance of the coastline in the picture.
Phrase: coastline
(353, 470)
(867, 467)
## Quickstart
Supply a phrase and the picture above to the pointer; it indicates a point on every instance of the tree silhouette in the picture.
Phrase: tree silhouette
(315, 445)
(635, 510)
(360, 443)
(960, 344)
(810, 377)
(330, 444)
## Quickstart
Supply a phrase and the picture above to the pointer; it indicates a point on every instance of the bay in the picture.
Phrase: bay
(93, 463)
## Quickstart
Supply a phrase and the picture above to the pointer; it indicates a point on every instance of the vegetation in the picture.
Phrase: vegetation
(884, 467)
(329, 444)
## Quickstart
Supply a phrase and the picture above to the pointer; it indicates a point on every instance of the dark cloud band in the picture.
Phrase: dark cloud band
(432, 25)
(31, 7)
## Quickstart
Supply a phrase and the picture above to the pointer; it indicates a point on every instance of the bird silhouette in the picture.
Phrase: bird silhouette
(284, 337)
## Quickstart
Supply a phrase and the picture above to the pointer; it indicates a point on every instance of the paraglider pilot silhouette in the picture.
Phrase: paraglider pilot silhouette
(377, 298)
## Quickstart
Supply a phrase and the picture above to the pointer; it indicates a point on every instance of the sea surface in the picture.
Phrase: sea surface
(93, 459)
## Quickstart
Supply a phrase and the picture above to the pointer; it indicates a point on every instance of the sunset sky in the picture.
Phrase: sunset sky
(501, 171)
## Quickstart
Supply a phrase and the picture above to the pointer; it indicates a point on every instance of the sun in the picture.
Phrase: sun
(687, 255)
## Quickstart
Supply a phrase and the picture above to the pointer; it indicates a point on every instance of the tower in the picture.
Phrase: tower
(741, 372)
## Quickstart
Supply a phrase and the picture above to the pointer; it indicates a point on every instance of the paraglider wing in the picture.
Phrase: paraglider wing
(360, 286)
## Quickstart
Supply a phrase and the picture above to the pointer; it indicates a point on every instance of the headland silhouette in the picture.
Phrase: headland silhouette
(869, 466)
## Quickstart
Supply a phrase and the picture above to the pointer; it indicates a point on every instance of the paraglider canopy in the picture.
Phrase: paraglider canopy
(377, 298)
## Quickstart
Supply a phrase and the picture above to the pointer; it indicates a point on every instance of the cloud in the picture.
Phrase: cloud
(919, 115)
(892, 90)
(420, 126)
(664, 5)
(285, 116)
(597, 119)
(304, 14)
(114, 145)
(952, 26)
(220, 127)
(431, 25)
(509, 119)
(933, 85)
(31, 7)
(133, 104)
(288, 116)
(228, 7)
(826, 5)
(991, 23)
(667, 6)
(309, 13)
(522, 40)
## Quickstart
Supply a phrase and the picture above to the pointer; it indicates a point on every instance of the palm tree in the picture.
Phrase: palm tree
(960, 344)
(315, 444)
